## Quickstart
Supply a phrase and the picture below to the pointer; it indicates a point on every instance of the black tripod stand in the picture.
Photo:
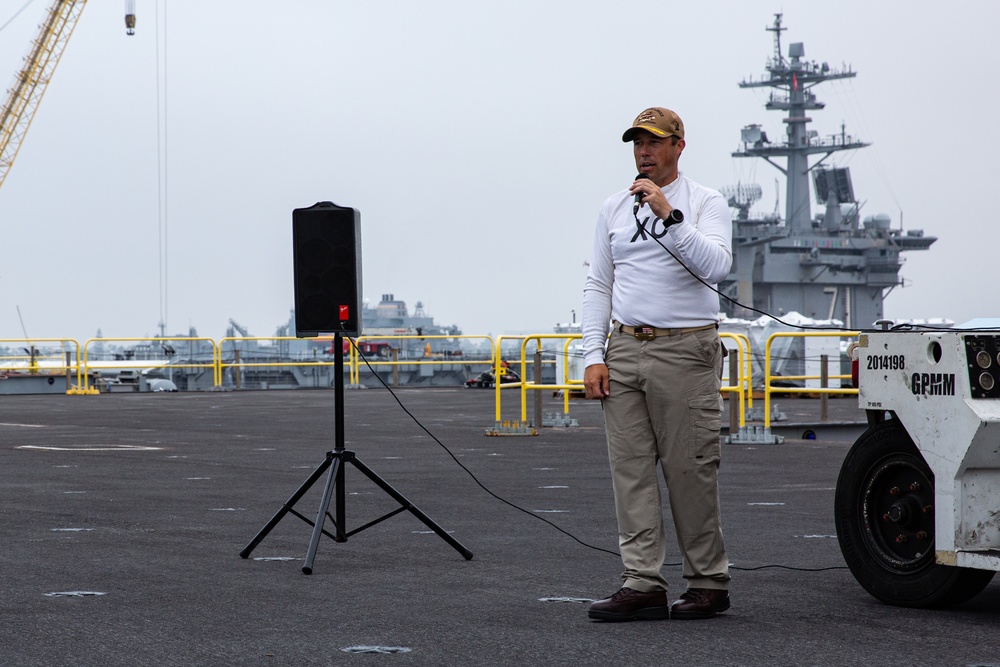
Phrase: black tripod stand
(335, 482)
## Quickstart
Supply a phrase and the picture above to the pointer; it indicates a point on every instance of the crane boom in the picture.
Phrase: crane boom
(30, 84)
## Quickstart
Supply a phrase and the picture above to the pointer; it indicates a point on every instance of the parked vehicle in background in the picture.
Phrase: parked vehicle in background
(485, 380)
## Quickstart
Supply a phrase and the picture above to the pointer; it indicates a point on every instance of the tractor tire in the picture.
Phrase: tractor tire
(884, 512)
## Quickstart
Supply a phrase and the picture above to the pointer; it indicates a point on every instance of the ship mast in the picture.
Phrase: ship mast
(830, 266)
(793, 79)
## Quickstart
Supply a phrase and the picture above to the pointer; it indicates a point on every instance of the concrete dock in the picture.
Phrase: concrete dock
(124, 516)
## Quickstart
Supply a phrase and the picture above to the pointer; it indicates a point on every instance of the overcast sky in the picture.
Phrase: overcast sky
(477, 139)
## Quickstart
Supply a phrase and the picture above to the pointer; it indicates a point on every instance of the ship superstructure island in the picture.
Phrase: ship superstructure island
(829, 266)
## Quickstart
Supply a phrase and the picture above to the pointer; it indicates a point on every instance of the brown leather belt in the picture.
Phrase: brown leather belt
(649, 333)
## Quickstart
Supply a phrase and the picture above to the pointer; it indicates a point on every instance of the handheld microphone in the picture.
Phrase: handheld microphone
(638, 196)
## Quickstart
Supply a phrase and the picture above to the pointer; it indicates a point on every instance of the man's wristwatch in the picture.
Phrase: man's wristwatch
(675, 217)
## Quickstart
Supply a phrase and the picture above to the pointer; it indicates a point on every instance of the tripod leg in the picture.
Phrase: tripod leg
(335, 478)
(401, 499)
(285, 508)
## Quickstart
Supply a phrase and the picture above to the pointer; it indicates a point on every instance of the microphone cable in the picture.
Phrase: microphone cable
(462, 466)
(642, 228)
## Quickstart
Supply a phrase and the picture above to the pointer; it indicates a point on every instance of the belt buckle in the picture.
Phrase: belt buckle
(644, 333)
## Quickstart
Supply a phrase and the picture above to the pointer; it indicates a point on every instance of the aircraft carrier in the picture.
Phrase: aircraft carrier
(832, 269)
(834, 265)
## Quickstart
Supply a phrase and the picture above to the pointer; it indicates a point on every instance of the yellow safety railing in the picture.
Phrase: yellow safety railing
(744, 386)
(744, 347)
(535, 384)
(81, 362)
(436, 358)
(238, 364)
(48, 362)
(575, 384)
(151, 363)
(768, 389)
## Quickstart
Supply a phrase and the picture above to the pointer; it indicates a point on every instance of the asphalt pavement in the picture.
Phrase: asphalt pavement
(124, 516)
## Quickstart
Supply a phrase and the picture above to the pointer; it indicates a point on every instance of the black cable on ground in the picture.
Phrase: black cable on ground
(469, 472)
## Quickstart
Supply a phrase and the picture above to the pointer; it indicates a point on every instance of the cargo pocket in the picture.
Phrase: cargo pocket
(703, 432)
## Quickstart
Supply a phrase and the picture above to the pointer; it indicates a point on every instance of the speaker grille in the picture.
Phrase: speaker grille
(327, 249)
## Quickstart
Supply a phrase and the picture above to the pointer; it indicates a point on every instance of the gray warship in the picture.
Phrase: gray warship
(404, 348)
(831, 266)
(390, 317)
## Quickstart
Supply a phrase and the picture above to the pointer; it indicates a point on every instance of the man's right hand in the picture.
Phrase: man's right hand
(595, 381)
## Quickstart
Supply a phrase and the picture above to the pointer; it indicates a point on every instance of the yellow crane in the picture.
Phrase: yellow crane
(30, 84)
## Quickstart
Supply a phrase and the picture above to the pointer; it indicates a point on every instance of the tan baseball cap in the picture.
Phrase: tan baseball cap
(657, 120)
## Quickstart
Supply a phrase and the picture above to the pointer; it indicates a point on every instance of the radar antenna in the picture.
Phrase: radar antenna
(741, 197)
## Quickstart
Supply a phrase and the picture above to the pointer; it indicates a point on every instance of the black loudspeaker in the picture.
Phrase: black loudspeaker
(326, 244)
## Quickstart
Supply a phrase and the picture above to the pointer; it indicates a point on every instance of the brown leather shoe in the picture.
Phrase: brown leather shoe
(700, 603)
(629, 604)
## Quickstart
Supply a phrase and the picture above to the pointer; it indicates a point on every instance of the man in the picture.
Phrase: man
(658, 377)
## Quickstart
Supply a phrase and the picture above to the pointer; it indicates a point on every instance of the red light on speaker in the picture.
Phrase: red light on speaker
(345, 313)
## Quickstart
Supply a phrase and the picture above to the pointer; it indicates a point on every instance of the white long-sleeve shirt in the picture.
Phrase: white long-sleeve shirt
(634, 281)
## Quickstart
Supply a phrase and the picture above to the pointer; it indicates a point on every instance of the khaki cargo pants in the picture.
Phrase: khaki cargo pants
(664, 405)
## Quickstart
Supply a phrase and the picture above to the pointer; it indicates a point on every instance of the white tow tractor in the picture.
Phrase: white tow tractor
(918, 498)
